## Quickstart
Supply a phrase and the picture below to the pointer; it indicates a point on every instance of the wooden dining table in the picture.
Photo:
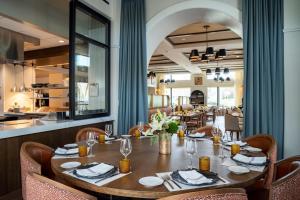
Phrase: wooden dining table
(146, 161)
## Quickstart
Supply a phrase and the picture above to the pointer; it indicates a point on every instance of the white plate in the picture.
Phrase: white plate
(197, 135)
(74, 145)
(238, 169)
(151, 181)
(242, 144)
(125, 136)
(70, 165)
(252, 149)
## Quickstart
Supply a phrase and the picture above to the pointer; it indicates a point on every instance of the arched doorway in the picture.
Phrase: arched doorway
(187, 12)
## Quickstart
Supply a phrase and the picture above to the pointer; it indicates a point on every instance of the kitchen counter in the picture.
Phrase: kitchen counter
(29, 126)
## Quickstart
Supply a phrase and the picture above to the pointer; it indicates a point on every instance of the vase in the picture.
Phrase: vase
(165, 143)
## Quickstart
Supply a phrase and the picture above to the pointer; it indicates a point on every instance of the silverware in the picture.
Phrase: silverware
(170, 179)
(107, 177)
(165, 178)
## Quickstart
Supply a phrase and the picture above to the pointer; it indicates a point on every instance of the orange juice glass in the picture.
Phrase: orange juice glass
(181, 133)
(235, 149)
(101, 138)
(204, 163)
(124, 165)
(137, 133)
(216, 139)
(82, 149)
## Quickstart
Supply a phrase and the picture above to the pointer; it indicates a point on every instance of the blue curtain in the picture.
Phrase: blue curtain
(133, 100)
(263, 60)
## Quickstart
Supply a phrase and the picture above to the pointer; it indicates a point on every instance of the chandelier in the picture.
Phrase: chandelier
(209, 53)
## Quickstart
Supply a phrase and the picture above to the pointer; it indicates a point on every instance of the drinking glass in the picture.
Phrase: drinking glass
(125, 147)
(190, 150)
(141, 127)
(91, 140)
(108, 131)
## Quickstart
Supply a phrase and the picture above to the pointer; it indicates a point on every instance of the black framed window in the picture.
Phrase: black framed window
(89, 62)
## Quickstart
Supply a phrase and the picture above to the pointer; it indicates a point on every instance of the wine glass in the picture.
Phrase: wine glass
(108, 131)
(125, 147)
(190, 150)
(141, 127)
(91, 140)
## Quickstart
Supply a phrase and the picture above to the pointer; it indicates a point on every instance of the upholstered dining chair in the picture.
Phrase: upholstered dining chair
(217, 194)
(42, 188)
(133, 129)
(286, 179)
(205, 129)
(82, 133)
(232, 125)
(35, 157)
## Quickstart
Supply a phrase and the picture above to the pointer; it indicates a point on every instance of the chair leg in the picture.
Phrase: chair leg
(238, 135)
(231, 135)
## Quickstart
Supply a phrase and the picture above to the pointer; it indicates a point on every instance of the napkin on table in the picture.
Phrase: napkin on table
(197, 135)
(194, 177)
(66, 151)
(250, 160)
(237, 142)
(96, 170)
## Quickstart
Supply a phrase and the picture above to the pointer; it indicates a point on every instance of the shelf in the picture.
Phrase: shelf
(50, 88)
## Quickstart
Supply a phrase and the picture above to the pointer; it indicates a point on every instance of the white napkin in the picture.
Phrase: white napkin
(250, 160)
(66, 151)
(96, 170)
(194, 177)
(237, 142)
(147, 132)
(252, 149)
(197, 135)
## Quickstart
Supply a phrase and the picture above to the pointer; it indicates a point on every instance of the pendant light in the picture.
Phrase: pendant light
(222, 53)
(204, 57)
(209, 50)
(194, 56)
(218, 71)
(14, 88)
(226, 71)
(228, 79)
(208, 71)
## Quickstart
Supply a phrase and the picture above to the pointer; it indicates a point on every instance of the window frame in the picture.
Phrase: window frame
(74, 5)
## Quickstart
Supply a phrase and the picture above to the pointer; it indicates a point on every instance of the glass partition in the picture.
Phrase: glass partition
(89, 58)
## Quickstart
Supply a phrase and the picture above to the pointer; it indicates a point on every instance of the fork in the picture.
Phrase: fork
(170, 179)
(166, 179)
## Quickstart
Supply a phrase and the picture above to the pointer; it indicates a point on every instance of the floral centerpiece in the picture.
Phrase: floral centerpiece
(163, 127)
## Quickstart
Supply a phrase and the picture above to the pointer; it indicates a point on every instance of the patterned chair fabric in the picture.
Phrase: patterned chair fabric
(218, 194)
(35, 157)
(42, 188)
(268, 145)
(82, 133)
(286, 183)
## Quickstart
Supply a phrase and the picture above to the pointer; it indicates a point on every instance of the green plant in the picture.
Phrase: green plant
(172, 127)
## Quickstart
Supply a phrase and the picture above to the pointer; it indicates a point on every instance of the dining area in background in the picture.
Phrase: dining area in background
(157, 160)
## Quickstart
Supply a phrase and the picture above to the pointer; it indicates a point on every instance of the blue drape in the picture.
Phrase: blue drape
(133, 100)
(263, 60)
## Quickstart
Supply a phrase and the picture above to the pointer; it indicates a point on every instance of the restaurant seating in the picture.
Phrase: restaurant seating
(286, 180)
(35, 157)
(194, 122)
(218, 194)
(42, 188)
(133, 129)
(167, 110)
(232, 125)
(206, 129)
(82, 133)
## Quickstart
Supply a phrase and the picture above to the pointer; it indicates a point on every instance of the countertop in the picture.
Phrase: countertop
(29, 126)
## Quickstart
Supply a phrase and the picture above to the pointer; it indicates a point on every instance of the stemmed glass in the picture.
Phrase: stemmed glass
(141, 127)
(190, 150)
(125, 147)
(108, 131)
(91, 140)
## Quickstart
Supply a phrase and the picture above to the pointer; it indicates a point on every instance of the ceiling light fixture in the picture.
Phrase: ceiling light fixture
(209, 50)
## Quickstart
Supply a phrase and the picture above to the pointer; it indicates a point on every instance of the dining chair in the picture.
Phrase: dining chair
(82, 133)
(42, 188)
(259, 190)
(133, 129)
(286, 179)
(206, 129)
(232, 125)
(218, 194)
(35, 157)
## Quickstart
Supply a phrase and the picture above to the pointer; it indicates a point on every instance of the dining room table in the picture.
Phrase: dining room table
(147, 161)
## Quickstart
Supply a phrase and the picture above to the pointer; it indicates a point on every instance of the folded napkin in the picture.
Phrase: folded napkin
(237, 142)
(197, 135)
(194, 177)
(252, 149)
(96, 170)
(147, 132)
(66, 151)
(250, 160)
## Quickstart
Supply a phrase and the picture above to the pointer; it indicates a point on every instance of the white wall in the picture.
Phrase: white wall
(291, 75)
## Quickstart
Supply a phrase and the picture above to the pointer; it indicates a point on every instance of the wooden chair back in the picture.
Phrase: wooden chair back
(219, 194)
(82, 133)
(231, 123)
(42, 188)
